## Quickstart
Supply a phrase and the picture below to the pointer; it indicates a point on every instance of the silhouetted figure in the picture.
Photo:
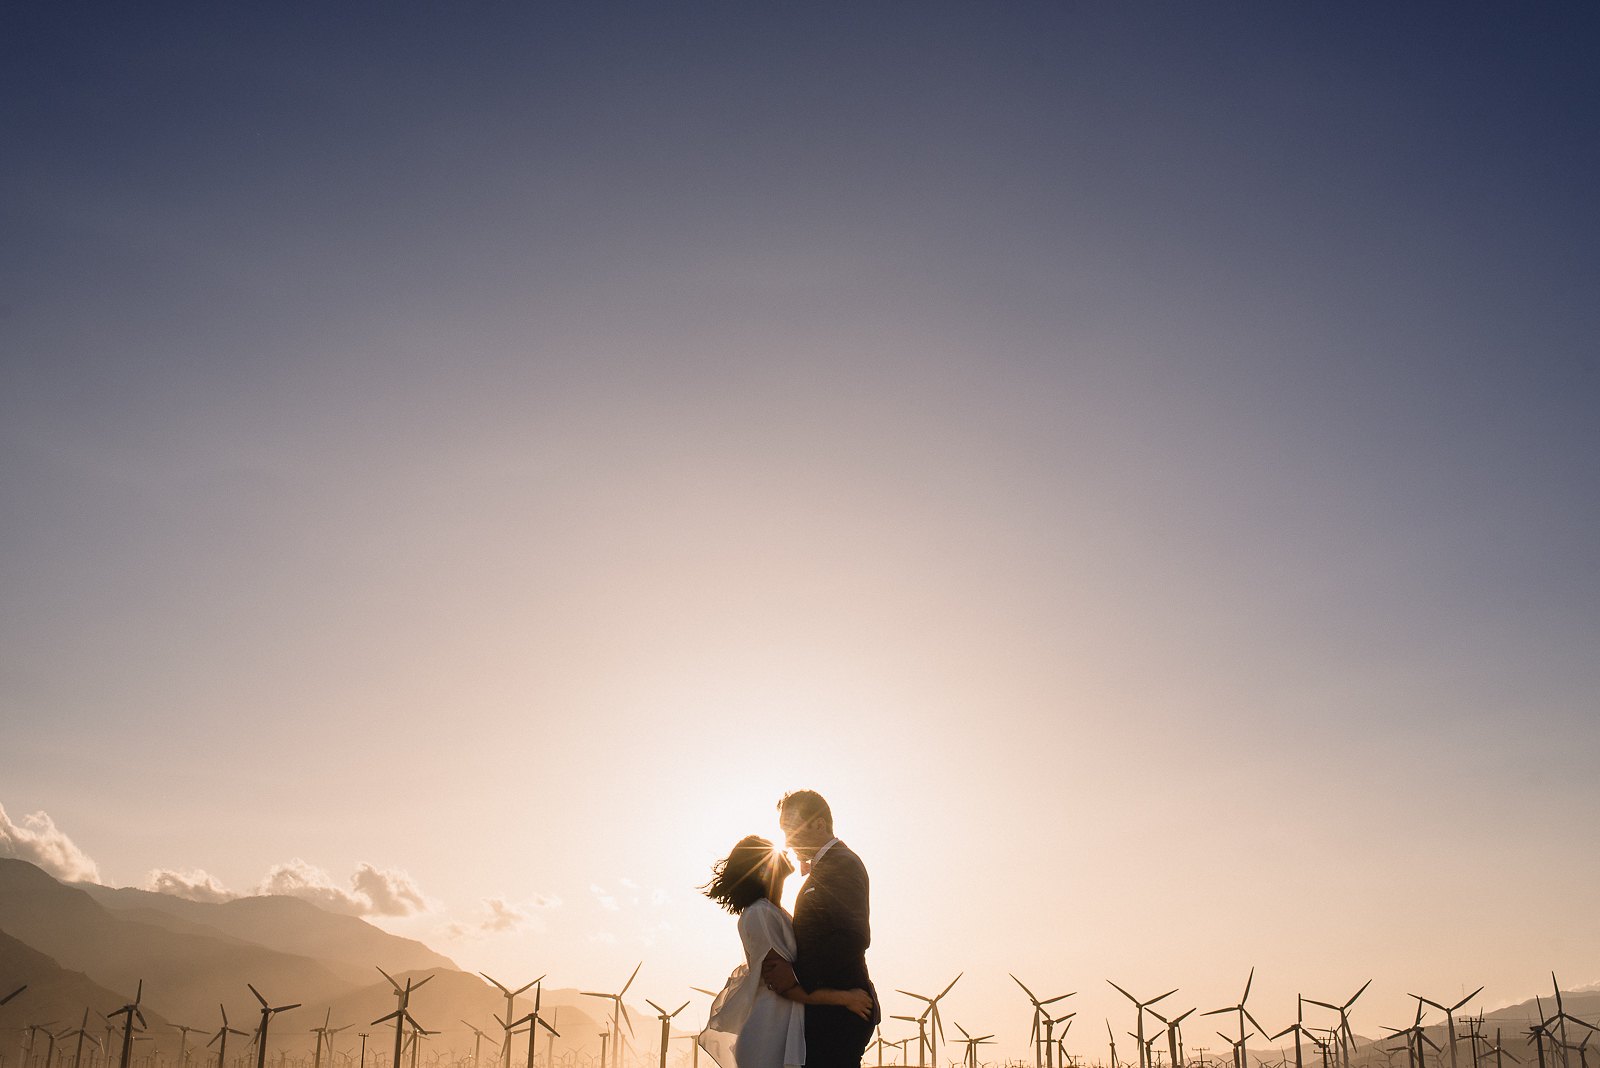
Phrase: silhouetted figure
(831, 932)
(754, 1024)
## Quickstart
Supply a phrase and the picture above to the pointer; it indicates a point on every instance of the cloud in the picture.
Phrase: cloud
(195, 885)
(503, 917)
(500, 916)
(372, 892)
(39, 841)
(608, 900)
(391, 892)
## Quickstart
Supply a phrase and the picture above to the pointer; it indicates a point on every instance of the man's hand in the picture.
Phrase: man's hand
(778, 974)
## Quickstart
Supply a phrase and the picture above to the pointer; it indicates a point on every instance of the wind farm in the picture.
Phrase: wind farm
(1551, 1028)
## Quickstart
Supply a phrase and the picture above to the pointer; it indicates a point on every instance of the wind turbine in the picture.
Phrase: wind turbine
(970, 1058)
(534, 1022)
(1238, 1048)
(402, 1013)
(511, 997)
(50, 1047)
(619, 1013)
(1175, 1036)
(1113, 1039)
(1140, 1006)
(1561, 1017)
(222, 1037)
(922, 1035)
(1449, 1018)
(128, 1012)
(1299, 1029)
(82, 1033)
(324, 1034)
(1239, 1051)
(267, 1012)
(1049, 1024)
(1347, 1037)
(1500, 1052)
(1039, 1015)
(183, 1043)
(1415, 1036)
(666, 1025)
(935, 1024)
(477, 1043)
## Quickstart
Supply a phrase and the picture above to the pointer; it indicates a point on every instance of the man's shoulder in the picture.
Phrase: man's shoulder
(841, 859)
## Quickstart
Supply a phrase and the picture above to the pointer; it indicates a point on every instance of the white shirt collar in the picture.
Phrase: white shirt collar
(829, 844)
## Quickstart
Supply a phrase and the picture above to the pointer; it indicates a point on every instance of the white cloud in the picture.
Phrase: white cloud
(39, 841)
(391, 892)
(196, 885)
(372, 892)
(607, 900)
(503, 916)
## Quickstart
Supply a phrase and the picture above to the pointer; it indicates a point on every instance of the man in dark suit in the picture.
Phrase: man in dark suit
(831, 932)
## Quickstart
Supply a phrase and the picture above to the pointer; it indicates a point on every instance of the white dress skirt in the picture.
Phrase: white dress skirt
(750, 1026)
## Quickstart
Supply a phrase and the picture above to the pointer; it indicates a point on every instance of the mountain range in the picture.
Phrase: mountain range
(84, 946)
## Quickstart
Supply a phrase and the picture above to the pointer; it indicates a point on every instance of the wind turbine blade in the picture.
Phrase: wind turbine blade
(1466, 999)
(653, 1005)
(1014, 979)
(1123, 992)
(383, 1019)
(1247, 983)
(953, 982)
(1363, 990)
(257, 993)
(680, 1008)
(631, 978)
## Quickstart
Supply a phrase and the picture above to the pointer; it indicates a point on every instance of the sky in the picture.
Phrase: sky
(465, 462)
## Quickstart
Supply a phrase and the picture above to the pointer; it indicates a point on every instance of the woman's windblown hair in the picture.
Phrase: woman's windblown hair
(741, 878)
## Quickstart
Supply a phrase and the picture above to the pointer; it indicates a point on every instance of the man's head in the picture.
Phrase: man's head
(806, 820)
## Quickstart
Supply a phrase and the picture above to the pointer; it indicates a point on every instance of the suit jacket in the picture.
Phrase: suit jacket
(831, 928)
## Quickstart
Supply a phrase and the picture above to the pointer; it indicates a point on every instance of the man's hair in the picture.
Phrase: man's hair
(806, 805)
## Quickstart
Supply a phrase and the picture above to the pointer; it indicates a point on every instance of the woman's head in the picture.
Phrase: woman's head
(752, 870)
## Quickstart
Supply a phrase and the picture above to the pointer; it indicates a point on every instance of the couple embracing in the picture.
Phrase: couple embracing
(802, 998)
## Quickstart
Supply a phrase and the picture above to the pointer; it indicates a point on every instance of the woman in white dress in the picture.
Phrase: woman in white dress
(751, 1026)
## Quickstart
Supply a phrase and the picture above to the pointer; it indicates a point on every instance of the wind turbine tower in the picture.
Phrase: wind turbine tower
(1139, 1007)
(619, 1014)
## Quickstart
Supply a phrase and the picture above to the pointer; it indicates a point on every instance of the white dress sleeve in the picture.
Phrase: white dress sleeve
(768, 1030)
